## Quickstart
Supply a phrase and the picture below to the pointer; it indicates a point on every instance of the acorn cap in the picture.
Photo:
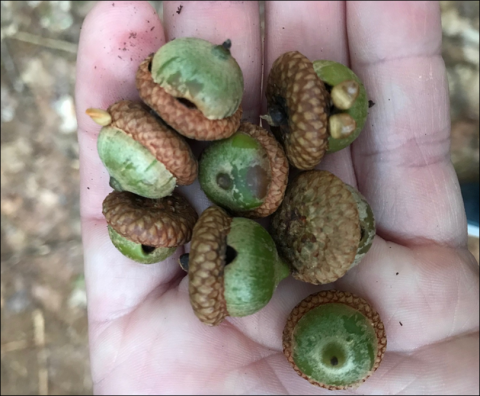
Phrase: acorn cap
(298, 105)
(165, 144)
(337, 297)
(206, 266)
(203, 73)
(334, 73)
(184, 118)
(278, 167)
(165, 222)
(317, 227)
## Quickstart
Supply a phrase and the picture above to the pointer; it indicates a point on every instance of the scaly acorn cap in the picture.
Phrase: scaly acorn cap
(180, 115)
(165, 222)
(298, 105)
(206, 266)
(367, 327)
(323, 227)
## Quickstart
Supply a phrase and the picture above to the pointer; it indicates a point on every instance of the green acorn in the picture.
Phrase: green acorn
(334, 340)
(246, 173)
(148, 230)
(233, 267)
(195, 86)
(142, 154)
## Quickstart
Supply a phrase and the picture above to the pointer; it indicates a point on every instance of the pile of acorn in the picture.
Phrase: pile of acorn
(321, 227)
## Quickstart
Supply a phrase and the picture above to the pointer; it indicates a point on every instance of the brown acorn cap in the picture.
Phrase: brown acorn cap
(206, 266)
(278, 168)
(294, 90)
(341, 297)
(164, 222)
(317, 227)
(164, 143)
(189, 122)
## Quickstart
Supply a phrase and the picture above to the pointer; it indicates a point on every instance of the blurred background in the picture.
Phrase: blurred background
(43, 301)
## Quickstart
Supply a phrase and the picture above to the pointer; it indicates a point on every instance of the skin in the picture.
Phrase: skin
(144, 337)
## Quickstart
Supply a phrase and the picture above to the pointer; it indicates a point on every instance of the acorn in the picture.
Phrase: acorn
(148, 230)
(313, 107)
(142, 154)
(334, 340)
(246, 173)
(233, 267)
(194, 86)
(323, 228)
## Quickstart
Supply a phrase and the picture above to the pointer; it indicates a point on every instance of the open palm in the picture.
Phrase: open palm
(144, 337)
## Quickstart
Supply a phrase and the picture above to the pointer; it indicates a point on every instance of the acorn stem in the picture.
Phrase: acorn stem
(101, 117)
(269, 119)
(227, 44)
(183, 261)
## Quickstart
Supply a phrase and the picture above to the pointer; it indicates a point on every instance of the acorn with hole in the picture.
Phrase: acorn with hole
(233, 267)
(148, 230)
(334, 340)
(247, 173)
(142, 154)
(195, 86)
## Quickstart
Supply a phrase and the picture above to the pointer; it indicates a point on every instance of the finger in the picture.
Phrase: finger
(317, 30)
(238, 21)
(402, 157)
(115, 38)
(423, 295)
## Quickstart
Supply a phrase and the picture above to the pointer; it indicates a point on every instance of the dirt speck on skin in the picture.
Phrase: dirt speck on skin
(371, 103)
(133, 35)
(179, 9)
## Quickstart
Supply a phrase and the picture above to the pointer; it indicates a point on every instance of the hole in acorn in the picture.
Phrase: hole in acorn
(278, 111)
(334, 361)
(148, 249)
(224, 181)
(186, 103)
(183, 260)
(230, 255)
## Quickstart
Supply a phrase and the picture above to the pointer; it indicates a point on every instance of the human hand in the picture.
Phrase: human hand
(419, 276)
